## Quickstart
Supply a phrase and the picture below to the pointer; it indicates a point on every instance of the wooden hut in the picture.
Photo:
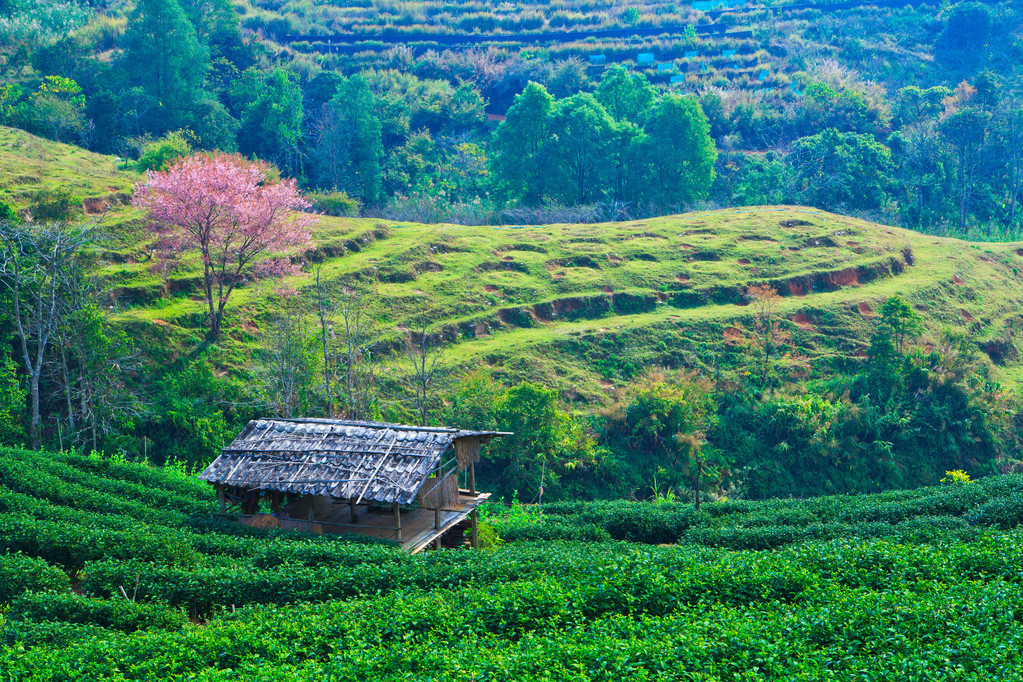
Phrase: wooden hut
(334, 476)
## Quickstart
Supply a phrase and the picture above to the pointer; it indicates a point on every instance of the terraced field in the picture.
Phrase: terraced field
(577, 305)
(669, 289)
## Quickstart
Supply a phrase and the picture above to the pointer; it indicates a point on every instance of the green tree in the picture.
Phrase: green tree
(627, 97)
(345, 145)
(58, 108)
(520, 144)
(272, 124)
(680, 151)
(899, 321)
(581, 132)
(625, 162)
(12, 403)
(843, 170)
(163, 55)
(659, 425)
(217, 27)
(964, 39)
(966, 131)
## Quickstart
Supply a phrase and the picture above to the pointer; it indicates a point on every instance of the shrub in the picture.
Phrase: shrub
(115, 614)
(19, 573)
(158, 155)
(54, 205)
(334, 203)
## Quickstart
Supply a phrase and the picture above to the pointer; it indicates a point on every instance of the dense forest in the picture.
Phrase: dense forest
(917, 125)
(779, 107)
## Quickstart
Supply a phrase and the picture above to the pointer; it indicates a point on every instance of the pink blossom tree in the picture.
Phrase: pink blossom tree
(232, 212)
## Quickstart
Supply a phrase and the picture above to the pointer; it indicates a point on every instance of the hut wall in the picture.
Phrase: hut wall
(440, 492)
(467, 452)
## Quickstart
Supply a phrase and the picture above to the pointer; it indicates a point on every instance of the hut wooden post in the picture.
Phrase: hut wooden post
(351, 511)
(474, 537)
(436, 524)
(397, 522)
(220, 496)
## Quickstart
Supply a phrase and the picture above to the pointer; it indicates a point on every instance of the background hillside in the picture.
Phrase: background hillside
(568, 323)
(911, 110)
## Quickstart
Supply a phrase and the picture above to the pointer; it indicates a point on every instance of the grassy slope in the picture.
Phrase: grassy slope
(570, 304)
(29, 164)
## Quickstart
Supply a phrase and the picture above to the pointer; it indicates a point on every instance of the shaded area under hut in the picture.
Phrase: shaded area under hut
(332, 476)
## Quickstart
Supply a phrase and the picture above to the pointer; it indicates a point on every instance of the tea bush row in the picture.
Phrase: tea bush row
(20, 573)
(543, 629)
(116, 614)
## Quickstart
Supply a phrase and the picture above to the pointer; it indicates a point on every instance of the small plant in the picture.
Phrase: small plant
(956, 477)
(488, 537)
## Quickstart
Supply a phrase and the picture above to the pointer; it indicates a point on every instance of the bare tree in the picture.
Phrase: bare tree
(91, 364)
(36, 266)
(285, 365)
(418, 371)
(346, 345)
(358, 388)
(325, 311)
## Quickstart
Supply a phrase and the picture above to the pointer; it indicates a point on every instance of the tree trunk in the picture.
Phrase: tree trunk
(34, 426)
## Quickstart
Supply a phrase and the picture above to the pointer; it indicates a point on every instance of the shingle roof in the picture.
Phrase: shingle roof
(346, 459)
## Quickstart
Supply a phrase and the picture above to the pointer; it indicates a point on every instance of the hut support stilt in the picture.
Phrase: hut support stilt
(351, 510)
(223, 501)
(397, 522)
(475, 537)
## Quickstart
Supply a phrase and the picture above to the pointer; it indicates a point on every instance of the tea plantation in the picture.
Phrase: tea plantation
(110, 570)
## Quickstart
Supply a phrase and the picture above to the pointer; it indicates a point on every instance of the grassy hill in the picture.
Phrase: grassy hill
(113, 570)
(581, 307)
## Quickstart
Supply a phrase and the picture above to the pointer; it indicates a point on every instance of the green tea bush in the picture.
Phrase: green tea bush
(1004, 513)
(20, 573)
(71, 545)
(115, 614)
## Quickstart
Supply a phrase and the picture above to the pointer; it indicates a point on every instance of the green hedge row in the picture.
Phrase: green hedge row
(114, 614)
(20, 573)
(924, 515)
(616, 625)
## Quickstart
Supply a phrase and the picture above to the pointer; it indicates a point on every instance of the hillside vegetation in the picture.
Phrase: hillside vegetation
(571, 318)
(116, 571)
(671, 289)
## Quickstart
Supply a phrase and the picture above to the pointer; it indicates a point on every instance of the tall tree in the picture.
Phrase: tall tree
(843, 170)
(285, 364)
(228, 209)
(680, 150)
(36, 266)
(346, 340)
(519, 145)
(581, 132)
(627, 97)
(346, 147)
(966, 131)
(163, 55)
(272, 124)
(417, 369)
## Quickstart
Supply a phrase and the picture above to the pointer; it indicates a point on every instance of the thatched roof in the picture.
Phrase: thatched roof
(347, 459)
